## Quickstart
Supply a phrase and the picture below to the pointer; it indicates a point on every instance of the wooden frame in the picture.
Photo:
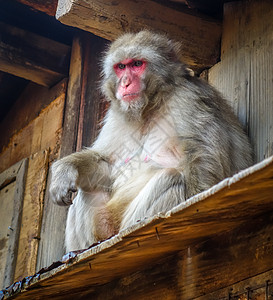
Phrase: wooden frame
(15, 173)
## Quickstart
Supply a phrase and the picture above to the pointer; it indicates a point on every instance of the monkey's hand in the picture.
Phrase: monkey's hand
(86, 170)
(63, 182)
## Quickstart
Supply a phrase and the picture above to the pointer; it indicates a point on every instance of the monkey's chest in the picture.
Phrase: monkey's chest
(160, 149)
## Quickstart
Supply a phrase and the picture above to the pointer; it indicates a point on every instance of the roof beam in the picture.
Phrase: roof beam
(200, 36)
(32, 57)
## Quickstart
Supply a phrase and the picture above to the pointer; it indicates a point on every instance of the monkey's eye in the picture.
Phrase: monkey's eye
(121, 66)
(138, 63)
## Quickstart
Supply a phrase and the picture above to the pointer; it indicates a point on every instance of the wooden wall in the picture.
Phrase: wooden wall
(245, 73)
(32, 129)
(83, 111)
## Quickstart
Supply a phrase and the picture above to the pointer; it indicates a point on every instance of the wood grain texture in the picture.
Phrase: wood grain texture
(47, 6)
(82, 113)
(32, 57)
(6, 212)
(17, 174)
(202, 270)
(53, 225)
(32, 212)
(260, 287)
(228, 205)
(31, 103)
(41, 133)
(245, 73)
(199, 36)
(93, 106)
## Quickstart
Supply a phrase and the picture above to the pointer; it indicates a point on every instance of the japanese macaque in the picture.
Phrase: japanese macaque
(167, 136)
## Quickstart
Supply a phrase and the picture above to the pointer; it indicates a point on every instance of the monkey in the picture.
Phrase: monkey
(167, 136)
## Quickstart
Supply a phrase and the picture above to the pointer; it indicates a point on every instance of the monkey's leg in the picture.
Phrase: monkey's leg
(80, 225)
(164, 190)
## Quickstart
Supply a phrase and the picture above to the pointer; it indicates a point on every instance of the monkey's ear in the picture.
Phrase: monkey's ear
(190, 72)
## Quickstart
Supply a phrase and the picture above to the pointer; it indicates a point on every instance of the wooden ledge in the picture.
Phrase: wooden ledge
(224, 207)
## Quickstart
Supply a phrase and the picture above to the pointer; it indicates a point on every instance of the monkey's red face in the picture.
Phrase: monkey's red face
(130, 73)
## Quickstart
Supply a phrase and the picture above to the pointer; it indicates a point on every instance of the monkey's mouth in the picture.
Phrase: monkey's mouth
(130, 97)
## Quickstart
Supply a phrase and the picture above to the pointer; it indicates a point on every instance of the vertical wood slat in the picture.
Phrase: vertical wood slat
(31, 215)
(245, 73)
(18, 173)
(94, 104)
(51, 246)
(79, 129)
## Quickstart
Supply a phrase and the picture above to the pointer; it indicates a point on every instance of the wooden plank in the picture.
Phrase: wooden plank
(33, 100)
(82, 111)
(47, 6)
(41, 133)
(32, 57)
(222, 208)
(6, 211)
(245, 73)
(199, 36)
(15, 174)
(93, 106)
(260, 287)
(53, 226)
(201, 271)
(32, 215)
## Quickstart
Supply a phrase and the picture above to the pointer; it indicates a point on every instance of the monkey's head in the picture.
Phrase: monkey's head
(139, 69)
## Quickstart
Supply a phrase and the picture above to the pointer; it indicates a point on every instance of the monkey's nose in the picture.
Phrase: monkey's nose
(126, 81)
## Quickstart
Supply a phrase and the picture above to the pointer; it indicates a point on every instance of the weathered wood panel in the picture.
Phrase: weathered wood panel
(47, 6)
(82, 111)
(200, 36)
(11, 229)
(51, 246)
(32, 57)
(41, 133)
(93, 106)
(259, 287)
(6, 212)
(32, 215)
(226, 206)
(203, 268)
(53, 227)
(245, 73)
(33, 100)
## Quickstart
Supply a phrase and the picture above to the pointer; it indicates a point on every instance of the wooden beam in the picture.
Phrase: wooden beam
(32, 57)
(232, 203)
(200, 36)
(46, 6)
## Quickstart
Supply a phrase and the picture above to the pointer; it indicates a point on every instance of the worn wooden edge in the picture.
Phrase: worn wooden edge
(199, 35)
(261, 283)
(9, 175)
(33, 57)
(146, 232)
(21, 168)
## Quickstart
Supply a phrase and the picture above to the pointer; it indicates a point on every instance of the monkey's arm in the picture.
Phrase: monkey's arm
(87, 170)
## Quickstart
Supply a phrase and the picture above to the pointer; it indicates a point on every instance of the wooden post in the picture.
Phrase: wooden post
(80, 117)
